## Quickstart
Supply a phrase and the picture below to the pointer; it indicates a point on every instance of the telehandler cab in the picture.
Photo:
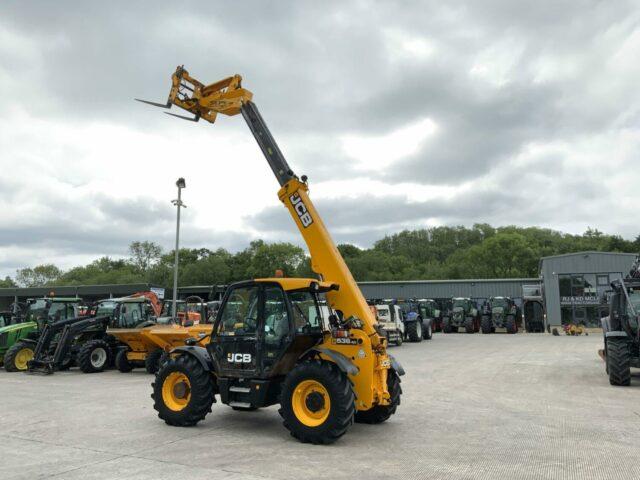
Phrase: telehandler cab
(269, 344)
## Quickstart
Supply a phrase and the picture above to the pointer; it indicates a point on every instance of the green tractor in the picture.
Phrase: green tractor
(18, 340)
(500, 312)
(463, 314)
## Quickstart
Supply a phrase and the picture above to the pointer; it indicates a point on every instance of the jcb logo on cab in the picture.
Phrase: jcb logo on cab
(239, 357)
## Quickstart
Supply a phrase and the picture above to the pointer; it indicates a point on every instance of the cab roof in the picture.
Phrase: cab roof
(290, 284)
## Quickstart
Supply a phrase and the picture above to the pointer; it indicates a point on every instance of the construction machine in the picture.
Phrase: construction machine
(147, 345)
(270, 343)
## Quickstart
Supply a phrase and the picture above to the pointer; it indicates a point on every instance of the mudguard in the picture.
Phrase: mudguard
(200, 353)
(396, 366)
(616, 334)
(339, 359)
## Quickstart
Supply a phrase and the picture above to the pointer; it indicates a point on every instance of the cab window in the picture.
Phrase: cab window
(240, 313)
(306, 315)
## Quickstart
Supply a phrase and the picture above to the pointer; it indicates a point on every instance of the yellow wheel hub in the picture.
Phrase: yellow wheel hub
(311, 403)
(176, 391)
(22, 357)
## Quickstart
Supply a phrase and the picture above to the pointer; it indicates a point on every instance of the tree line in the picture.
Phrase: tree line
(448, 252)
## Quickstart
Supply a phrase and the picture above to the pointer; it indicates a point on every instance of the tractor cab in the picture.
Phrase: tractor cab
(52, 309)
(126, 312)
(264, 325)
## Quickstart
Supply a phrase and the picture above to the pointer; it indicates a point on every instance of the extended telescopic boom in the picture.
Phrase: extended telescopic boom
(229, 98)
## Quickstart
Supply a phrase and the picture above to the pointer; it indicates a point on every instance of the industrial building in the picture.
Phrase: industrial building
(575, 285)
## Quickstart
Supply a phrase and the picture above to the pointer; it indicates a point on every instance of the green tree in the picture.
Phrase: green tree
(144, 254)
(7, 282)
(38, 276)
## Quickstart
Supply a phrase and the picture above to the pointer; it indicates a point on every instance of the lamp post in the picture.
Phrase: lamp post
(178, 203)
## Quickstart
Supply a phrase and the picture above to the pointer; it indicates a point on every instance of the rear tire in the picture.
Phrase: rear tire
(618, 357)
(187, 405)
(122, 362)
(486, 324)
(469, 326)
(428, 332)
(94, 356)
(381, 413)
(414, 331)
(446, 325)
(317, 402)
(152, 361)
(16, 357)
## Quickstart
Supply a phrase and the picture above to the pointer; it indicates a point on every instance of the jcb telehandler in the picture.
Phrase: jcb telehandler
(269, 344)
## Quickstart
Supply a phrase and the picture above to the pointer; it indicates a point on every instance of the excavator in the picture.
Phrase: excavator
(270, 343)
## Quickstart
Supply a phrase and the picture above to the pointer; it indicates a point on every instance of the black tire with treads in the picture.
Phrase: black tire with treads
(381, 413)
(487, 324)
(414, 331)
(152, 361)
(201, 391)
(86, 356)
(341, 395)
(122, 362)
(618, 357)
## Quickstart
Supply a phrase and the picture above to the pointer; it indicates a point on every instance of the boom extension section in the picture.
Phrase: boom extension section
(228, 97)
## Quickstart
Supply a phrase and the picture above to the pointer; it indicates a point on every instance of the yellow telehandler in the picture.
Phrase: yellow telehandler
(270, 342)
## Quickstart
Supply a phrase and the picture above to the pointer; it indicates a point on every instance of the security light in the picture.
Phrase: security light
(181, 183)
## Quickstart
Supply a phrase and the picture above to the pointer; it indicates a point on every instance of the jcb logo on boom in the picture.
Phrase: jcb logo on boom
(239, 357)
(301, 210)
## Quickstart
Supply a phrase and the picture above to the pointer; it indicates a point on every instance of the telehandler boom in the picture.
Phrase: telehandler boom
(269, 344)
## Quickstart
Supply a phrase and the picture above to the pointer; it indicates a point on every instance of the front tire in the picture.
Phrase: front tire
(94, 356)
(399, 338)
(17, 356)
(381, 413)
(486, 324)
(428, 332)
(183, 391)
(414, 331)
(122, 362)
(618, 357)
(152, 361)
(510, 324)
(446, 325)
(317, 402)
(469, 326)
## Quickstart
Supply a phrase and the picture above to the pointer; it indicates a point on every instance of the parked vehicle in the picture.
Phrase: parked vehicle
(621, 330)
(419, 318)
(18, 341)
(390, 319)
(464, 313)
(500, 312)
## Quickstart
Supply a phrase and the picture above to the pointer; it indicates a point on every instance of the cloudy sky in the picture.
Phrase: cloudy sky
(402, 115)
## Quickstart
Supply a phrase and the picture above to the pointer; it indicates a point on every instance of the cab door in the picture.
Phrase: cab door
(234, 345)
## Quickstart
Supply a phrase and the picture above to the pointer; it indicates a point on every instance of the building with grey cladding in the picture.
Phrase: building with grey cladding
(575, 285)
(479, 289)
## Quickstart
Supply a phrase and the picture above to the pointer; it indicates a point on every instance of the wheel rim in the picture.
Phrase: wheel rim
(176, 391)
(98, 357)
(22, 357)
(311, 403)
(419, 329)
